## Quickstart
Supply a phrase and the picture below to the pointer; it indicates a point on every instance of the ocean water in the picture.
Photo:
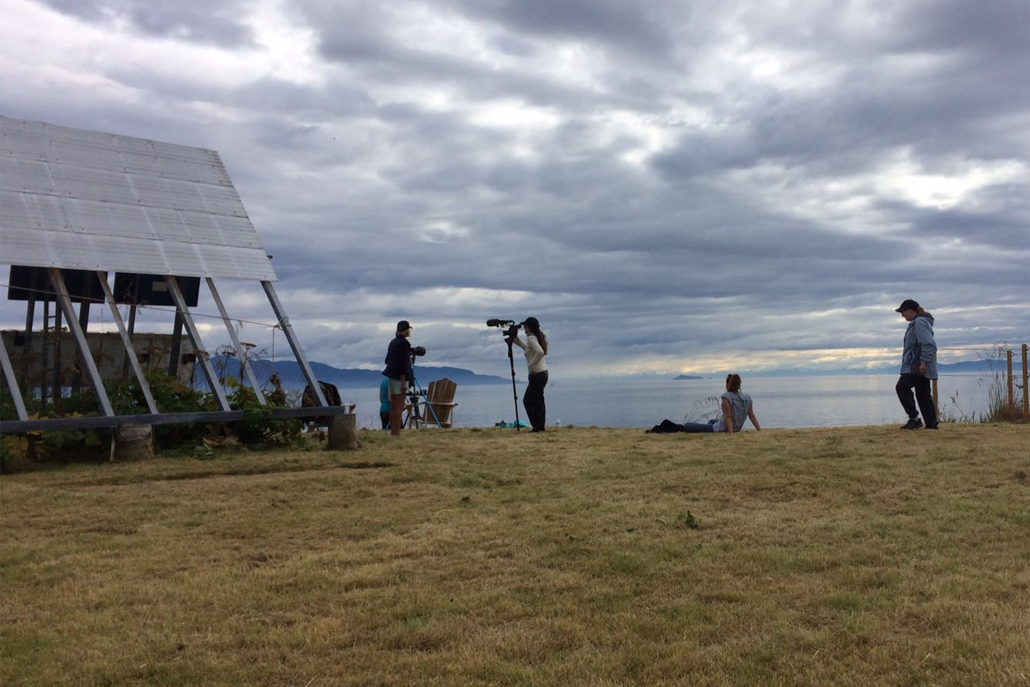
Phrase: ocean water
(810, 401)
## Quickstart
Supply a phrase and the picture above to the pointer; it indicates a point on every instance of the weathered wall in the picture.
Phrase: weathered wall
(107, 349)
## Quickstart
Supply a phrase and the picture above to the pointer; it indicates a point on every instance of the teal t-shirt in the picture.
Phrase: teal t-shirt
(384, 396)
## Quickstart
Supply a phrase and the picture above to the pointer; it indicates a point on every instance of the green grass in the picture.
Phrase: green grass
(859, 556)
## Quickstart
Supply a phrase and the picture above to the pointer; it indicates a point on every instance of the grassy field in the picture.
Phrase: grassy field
(858, 556)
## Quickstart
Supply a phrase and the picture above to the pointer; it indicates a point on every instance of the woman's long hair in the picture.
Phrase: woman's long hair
(533, 327)
(733, 383)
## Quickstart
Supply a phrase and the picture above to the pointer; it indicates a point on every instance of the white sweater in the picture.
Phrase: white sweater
(534, 353)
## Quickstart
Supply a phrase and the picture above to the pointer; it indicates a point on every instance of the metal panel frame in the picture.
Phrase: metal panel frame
(95, 381)
(78, 199)
(298, 352)
(12, 383)
(240, 353)
(198, 344)
(130, 349)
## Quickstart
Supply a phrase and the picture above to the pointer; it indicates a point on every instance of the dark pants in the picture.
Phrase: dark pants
(533, 400)
(924, 397)
(385, 419)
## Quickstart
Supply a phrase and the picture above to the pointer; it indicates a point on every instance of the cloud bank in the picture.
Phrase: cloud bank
(685, 187)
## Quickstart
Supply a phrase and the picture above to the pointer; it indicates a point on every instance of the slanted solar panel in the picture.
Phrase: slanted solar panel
(86, 200)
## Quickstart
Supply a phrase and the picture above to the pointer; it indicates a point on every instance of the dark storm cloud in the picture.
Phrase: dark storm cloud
(632, 27)
(196, 20)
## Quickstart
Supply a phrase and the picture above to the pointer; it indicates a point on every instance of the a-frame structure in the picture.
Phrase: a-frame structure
(77, 206)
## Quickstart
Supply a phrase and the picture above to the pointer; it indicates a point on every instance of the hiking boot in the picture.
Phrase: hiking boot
(914, 423)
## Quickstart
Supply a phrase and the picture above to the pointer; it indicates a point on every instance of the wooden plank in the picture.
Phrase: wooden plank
(198, 345)
(240, 353)
(80, 340)
(1026, 390)
(130, 350)
(1008, 356)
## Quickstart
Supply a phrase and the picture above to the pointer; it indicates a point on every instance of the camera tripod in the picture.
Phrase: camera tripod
(514, 391)
(416, 393)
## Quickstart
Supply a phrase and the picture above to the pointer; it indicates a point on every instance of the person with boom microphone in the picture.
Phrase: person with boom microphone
(398, 372)
(535, 347)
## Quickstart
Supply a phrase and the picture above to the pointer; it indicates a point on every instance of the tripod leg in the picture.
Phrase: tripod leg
(514, 390)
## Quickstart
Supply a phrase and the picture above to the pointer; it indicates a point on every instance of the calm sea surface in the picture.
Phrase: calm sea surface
(779, 401)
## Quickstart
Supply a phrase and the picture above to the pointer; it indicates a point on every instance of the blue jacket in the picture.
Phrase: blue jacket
(920, 347)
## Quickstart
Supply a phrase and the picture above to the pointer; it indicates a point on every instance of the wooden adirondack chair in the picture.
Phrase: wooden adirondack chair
(439, 397)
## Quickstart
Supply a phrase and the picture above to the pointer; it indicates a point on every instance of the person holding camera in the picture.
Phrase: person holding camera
(535, 348)
(398, 372)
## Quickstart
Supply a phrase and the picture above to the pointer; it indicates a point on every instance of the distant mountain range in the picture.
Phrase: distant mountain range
(978, 366)
(292, 378)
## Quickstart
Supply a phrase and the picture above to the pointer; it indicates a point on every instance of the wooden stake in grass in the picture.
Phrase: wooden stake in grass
(1008, 356)
(1026, 392)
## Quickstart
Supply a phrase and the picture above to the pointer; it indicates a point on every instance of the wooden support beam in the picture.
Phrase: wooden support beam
(198, 345)
(80, 340)
(1011, 398)
(45, 362)
(240, 352)
(12, 383)
(84, 324)
(56, 383)
(1026, 391)
(130, 350)
(30, 317)
(173, 359)
(291, 337)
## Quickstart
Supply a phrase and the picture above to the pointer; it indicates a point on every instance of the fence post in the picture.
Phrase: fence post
(1008, 356)
(1026, 392)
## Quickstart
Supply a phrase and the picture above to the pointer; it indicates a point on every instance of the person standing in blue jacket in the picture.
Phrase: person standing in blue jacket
(918, 366)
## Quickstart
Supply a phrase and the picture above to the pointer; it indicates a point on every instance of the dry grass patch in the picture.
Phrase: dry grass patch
(859, 556)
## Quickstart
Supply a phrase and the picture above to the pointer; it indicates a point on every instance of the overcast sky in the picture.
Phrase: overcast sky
(670, 187)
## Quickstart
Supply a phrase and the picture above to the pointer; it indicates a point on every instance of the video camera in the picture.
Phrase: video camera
(511, 327)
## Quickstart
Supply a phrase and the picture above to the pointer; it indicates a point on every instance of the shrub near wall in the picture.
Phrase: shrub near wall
(257, 429)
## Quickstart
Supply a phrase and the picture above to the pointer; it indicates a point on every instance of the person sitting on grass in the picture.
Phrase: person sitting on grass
(736, 406)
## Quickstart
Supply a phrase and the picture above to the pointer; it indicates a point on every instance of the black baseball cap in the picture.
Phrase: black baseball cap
(907, 304)
(403, 326)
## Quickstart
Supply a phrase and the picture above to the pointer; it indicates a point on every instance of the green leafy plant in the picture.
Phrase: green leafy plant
(258, 427)
(688, 520)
